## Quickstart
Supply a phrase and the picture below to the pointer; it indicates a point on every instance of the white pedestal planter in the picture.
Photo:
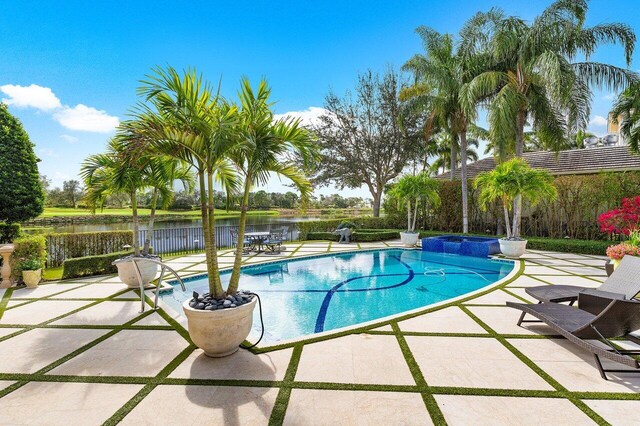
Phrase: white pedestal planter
(127, 273)
(513, 248)
(5, 274)
(409, 239)
(32, 278)
(219, 333)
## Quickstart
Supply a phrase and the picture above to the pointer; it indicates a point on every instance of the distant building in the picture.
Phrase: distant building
(613, 127)
(617, 158)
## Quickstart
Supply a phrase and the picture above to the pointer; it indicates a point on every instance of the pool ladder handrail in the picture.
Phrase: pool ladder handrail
(164, 266)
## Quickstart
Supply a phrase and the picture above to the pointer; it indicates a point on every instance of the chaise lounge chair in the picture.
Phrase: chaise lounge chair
(598, 318)
(624, 283)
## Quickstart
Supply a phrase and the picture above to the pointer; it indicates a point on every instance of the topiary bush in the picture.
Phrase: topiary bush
(21, 192)
(92, 265)
(27, 247)
(9, 232)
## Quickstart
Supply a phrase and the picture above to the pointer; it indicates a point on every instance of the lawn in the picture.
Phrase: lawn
(67, 211)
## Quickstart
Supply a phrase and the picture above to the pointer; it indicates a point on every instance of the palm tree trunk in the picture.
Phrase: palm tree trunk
(409, 216)
(507, 223)
(212, 251)
(517, 202)
(136, 224)
(453, 155)
(463, 178)
(415, 215)
(235, 274)
(152, 219)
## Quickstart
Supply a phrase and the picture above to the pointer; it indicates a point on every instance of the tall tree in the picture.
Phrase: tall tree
(440, 74)
(365, 138)
(21, 193)
(532, 76)
(72, 191)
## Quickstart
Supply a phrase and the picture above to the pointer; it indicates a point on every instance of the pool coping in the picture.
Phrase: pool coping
(518, 268)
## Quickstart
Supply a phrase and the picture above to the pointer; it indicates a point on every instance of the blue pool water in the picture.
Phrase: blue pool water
(312, 295)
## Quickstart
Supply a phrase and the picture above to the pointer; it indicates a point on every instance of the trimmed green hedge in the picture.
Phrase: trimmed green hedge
(9, 232)
(91, 265)
(66, 246)
(315, 226)
(360, 235)
(597, 247)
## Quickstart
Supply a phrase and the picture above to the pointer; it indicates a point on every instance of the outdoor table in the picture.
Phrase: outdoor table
(258, 239)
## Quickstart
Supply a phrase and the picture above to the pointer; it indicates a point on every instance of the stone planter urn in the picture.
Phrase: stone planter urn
(409, 239)
(5, 274)
(32, 278)
(512, 248)
(219, 333)
(127, 273)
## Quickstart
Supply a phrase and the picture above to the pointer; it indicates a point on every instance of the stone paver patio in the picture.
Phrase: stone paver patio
(78, 352)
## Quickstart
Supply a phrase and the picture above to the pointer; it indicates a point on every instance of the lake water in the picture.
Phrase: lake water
(159, 224)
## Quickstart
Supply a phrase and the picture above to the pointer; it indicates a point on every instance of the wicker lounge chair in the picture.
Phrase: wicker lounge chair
(598, 318)
(624, 283)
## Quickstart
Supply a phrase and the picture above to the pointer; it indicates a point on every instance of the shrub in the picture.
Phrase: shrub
(9, 232)
(21, 194)
(360, 235)
(92, 265)
(330, 225)
(27, 247)
(598, 247)
(67, 246)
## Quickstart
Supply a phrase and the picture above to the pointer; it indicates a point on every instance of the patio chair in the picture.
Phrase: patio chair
(599, 318)
(247, 243)
(623, 283)
(274, 243)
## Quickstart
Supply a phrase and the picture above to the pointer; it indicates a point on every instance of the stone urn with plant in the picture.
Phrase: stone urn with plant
(414, 191)
(31, 269)
(236, 147)
(623, 222)
(508, 181)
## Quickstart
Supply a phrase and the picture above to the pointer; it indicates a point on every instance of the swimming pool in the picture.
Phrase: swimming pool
(328, 292)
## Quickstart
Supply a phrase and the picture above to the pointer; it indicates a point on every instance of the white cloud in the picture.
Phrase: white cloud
(69, 138)
(46, 152)
(32, 96)
(610, 96)
(308, 117)
(79, 117)
(598, 121)
(85, 118)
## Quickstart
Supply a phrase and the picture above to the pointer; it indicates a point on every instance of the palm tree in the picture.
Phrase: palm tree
(627, 106)
(118, 172)
(269, 145)
(442, 152)
(512, 179)
(413, 189)
(440, 74)
(531, 75)
(187, 120)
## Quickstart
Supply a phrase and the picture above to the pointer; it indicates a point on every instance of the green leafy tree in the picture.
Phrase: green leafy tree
(72, 191)
(21, 192)
(365, 139)
(512, 179)
(413, 190)
(627, 109)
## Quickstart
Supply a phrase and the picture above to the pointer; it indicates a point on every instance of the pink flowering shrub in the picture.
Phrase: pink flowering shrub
(622, 220)
(618, 251)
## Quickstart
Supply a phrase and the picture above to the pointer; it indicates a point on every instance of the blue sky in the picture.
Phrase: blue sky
(85, 59)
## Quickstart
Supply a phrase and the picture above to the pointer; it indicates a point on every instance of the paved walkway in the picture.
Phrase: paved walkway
(78, 352)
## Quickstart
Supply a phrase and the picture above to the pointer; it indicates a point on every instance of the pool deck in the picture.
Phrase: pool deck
(78, 352)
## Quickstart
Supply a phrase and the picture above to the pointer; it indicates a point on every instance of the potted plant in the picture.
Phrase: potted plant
(31, 271)
(411, 190)
(622, 221)
(237, 146)
(506, 182)
(124, 171)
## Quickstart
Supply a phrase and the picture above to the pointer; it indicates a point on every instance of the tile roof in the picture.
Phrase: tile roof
(572, 162)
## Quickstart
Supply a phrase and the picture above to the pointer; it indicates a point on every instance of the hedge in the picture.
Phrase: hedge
(365, 222)
(360, 235)
(9, 232)
(27, 247)
(598, 247)
(66, 246)
(92, 265)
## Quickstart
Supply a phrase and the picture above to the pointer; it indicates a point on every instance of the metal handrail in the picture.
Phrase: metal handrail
(158, 284)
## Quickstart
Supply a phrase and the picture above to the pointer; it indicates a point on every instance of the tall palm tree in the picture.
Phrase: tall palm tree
(531, 74)
(269, 143)
(627, 107)
(439, 76)
(186, 119)
(442, 152)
